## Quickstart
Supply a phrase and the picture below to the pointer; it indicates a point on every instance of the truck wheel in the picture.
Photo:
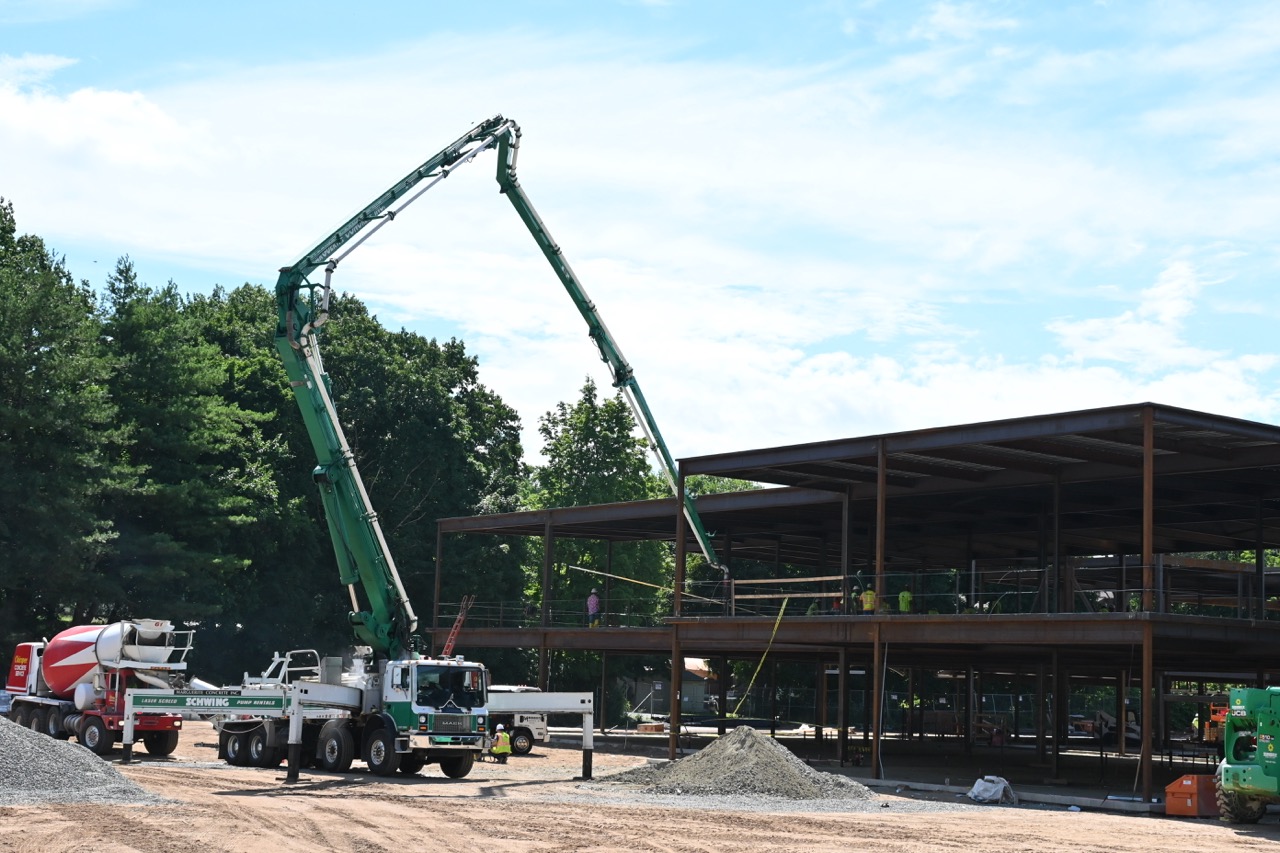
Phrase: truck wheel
(337, 750)
(35, 721)
(53, 724)
(95, 736)
(458, 766)
(411, 763)
(522, 741)
(160, 743)
(380, 752)
(237, 749)
(16, 712)
(260, 754)
(1237, 808)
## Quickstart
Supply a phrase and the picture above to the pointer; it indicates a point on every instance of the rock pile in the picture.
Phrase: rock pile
(36, 769)
(744, 762)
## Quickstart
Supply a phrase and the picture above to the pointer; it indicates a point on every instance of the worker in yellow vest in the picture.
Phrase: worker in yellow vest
(868, 601)
(501, 744)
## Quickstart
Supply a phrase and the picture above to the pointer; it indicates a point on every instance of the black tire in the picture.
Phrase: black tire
(458, 766)
(237, 749)
(337, 749)
(35, 721)
(53, 726)
(96, 737)
(260, 754)
(15, 712)
(522, 742)
(411, 763)
(380, 752)
(1237, 808)
(160, 743)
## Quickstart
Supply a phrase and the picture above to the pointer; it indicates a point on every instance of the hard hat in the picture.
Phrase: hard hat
(593, 590)
(499, 728)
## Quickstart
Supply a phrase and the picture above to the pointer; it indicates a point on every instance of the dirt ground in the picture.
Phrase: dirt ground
(533, 804)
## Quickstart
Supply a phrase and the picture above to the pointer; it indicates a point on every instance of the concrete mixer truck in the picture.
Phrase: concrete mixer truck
(76, 683)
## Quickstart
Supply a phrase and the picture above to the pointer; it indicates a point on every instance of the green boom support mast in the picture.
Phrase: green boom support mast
(388, 622)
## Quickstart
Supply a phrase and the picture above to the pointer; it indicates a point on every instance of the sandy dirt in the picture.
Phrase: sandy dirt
(533, 804)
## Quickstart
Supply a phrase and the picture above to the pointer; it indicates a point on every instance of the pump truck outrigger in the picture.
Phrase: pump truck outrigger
(397, 709)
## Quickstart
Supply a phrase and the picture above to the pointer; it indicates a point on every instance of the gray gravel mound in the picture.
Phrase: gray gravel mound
(744, 762)
(36, 769)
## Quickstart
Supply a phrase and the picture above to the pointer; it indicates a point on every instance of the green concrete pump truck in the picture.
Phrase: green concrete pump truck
(393, 707)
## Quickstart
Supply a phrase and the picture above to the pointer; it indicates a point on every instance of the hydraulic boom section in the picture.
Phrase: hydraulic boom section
(623, 376)
(388, 621)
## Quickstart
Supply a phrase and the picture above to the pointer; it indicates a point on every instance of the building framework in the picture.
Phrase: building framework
(1040, 549)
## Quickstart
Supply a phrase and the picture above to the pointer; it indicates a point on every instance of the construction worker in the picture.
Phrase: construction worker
(868, 601)
(593, 609)
(501, 744)
(904, 601)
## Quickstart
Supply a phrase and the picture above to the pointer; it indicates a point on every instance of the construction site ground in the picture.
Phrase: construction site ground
(536, 803)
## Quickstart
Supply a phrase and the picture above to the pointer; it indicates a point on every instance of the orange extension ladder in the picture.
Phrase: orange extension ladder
(467, 601)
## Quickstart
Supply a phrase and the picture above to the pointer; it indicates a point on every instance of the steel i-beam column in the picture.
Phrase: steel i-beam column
(548, 556)
(877, 699)
(842, 703)
(882, 463)
(1148, 507)
(1148, 684)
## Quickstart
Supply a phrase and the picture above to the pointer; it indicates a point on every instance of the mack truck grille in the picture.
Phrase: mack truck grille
(460, 723)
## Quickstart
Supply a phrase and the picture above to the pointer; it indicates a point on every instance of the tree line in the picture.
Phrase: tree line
(153, 464)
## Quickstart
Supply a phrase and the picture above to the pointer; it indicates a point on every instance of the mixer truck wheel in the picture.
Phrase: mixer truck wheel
(160, 743)
(15, 712)
(337, 749)
(53, 724)
(36, 721)
(380, 753)
(95, 736)
(458, 766)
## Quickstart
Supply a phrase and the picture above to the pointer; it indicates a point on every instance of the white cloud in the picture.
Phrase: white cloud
(1149, 338)
(962, 21)
(777, 250)
(29, 68)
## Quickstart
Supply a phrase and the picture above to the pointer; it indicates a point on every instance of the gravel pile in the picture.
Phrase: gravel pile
(744, 762)
(36, 769)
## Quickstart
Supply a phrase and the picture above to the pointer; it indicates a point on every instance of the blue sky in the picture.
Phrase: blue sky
(801, 221)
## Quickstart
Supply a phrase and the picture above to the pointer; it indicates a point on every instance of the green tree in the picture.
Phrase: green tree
(201, 467)
(593, 456)
(286, 596)
(431, 442)
(57, 422)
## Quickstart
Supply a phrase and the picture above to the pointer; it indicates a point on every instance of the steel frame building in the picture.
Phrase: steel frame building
(1088, 515)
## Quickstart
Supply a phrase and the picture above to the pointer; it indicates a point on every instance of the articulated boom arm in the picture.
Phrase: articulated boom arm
(303, 307)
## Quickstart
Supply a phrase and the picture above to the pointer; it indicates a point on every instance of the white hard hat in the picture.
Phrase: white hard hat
(499, 728)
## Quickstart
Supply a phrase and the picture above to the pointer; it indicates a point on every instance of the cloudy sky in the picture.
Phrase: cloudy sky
(801, 220)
